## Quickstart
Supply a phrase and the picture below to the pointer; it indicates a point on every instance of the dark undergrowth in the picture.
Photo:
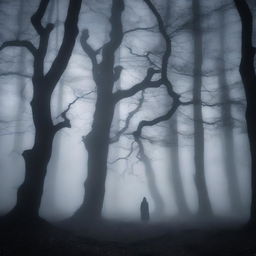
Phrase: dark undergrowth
(45, 239)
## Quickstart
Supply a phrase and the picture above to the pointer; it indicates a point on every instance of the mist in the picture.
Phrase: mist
(104, 103)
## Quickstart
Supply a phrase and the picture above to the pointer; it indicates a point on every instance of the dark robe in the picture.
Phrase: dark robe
(144, 210)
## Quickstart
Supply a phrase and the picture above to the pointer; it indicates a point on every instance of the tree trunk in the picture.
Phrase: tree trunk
(175, 175)
(204, 206)
(97, 145)
(247, 71)
(227, 120)
(52, 200)
(36, 159)
(176, 179)
(98, 139)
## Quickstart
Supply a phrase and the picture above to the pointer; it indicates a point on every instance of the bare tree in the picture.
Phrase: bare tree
(247, 71)
(204, 205)
(37, 158)
(105, 74)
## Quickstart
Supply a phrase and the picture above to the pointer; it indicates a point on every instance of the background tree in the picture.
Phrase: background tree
(227, 120)
(176, 179)
(105, 74)
(204, 205)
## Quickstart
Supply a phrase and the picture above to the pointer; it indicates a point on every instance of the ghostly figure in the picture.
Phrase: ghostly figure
(144, 210)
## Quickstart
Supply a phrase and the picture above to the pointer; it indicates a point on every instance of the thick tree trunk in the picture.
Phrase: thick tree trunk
(204, 206)
(247, 71)
(52, 200)
(97, 145)
(36, 159)
(97, 141)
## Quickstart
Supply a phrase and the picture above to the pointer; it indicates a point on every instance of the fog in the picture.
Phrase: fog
(127, 178)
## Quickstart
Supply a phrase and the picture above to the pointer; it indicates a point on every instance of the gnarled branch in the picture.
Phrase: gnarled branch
(164, 117)
(127, 121)
(146, 83)
(87, 48)
(19, 43)
(36, 18)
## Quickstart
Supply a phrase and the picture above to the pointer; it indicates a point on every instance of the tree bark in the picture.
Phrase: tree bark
(37, 158)
(97, 145)
(247, 71)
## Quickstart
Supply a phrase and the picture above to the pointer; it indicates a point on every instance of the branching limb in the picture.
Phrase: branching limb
(139, 29)
(116, 33)
(36, 19)
(167, 53)
(146, 55)
(20, 43)
(157, 120)
(164, 78)
(117, 72)
(146, 83)
(125, 157)
(66, 122)
(87, 48)
(128, 119)
(68, 42)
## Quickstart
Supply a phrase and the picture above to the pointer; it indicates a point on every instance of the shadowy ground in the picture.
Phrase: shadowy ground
(128, 239)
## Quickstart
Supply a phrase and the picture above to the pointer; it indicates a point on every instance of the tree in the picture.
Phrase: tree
(105, 74)
(227, 123)
(247, 71)
(175, 172)
(204, 206)
(36, 159)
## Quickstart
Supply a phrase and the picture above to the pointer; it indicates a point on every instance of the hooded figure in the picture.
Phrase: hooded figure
(144, 210)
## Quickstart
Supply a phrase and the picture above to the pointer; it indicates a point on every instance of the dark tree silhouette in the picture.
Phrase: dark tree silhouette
(105, 74)
(247, 71)
(97, 141)
(204, 206)
(36, 159)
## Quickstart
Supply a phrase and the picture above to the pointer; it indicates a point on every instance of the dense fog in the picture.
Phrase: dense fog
(195, 160)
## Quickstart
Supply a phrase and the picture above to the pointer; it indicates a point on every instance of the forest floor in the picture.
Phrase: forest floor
(126, 239)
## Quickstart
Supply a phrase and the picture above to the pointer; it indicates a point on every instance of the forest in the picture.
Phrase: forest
(128, 127)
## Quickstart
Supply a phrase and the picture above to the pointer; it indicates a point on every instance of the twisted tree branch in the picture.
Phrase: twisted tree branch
(20, 43)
